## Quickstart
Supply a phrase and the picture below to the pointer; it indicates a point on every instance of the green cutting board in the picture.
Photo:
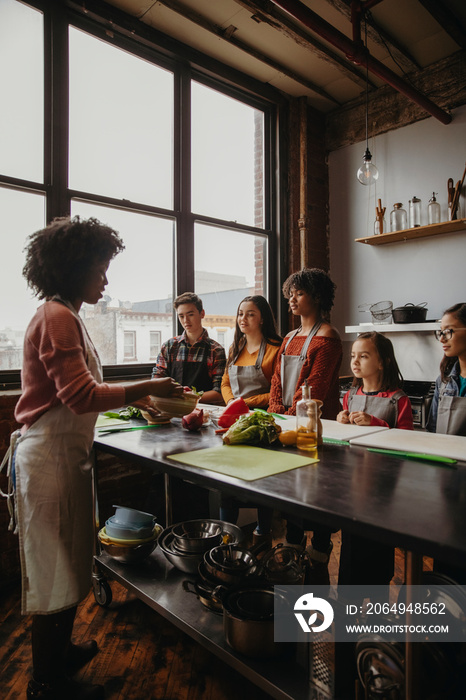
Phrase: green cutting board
(243, 461)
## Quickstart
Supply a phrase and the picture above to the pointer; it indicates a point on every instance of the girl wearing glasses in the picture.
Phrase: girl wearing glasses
(448, 410)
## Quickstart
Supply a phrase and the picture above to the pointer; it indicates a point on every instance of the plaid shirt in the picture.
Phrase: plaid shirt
(203, 350)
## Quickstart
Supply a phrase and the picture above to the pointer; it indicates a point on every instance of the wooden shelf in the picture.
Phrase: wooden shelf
(418, 232)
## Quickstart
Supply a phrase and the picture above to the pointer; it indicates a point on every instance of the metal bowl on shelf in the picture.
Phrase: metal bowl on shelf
(188, 562)
(197, 536)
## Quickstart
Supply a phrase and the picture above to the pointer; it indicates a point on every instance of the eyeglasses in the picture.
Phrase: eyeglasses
(447, 333)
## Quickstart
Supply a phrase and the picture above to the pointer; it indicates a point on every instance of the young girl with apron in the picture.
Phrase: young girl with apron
(362, 561)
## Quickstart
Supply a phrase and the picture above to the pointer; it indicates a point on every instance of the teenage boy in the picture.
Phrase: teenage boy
(192, 358)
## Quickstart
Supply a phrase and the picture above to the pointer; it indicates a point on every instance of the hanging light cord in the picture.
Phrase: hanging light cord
(367, 82)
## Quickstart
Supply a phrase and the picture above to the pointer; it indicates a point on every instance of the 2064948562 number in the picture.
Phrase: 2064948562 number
(400, 608)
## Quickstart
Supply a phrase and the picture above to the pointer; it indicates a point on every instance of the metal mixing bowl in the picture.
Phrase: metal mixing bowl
(197, 536)
(129, 554)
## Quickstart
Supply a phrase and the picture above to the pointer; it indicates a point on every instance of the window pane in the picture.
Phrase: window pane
(121, 124)
(227, 158)
(139, 295)
(228, 266)
(21, 90)
(21, 214)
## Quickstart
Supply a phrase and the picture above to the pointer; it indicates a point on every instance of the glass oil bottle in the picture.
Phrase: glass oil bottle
(307, 415)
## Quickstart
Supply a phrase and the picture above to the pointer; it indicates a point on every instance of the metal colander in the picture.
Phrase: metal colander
(381, 311)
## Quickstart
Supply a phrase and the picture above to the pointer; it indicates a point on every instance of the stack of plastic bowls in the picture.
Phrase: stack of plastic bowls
(130, 535)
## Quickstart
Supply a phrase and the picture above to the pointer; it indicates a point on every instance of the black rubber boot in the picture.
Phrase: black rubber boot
(78, 655)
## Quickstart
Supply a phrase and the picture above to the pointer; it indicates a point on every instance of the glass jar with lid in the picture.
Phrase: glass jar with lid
(398, 217)
(414, 212)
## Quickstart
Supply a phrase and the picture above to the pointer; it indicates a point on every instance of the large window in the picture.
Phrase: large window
(177, 161)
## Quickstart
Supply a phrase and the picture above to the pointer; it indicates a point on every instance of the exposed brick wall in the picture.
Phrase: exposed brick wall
(314, 172)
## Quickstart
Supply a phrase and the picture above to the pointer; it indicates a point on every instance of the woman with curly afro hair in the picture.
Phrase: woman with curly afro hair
(62, 394)
(312, 353)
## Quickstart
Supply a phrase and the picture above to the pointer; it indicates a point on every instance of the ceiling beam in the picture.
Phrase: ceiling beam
(228, 34)
(359, 55)
(266, 11)
(390, 110)
(449, 22)
(379, 36)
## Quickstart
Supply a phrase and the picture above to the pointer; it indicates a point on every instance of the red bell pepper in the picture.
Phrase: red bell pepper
(232, 412)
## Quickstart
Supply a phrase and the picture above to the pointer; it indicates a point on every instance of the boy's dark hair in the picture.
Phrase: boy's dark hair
(391, 375)
(459, 312)
(188, 298)
(316, 283)
(59, 257)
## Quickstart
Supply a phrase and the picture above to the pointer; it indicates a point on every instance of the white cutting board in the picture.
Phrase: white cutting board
(452, 446)
(332, 429)
(347, 431)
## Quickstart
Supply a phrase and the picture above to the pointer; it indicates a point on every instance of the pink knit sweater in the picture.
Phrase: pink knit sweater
(55, 370)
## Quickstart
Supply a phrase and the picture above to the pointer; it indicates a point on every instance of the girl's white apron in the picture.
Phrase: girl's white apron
(54, 504)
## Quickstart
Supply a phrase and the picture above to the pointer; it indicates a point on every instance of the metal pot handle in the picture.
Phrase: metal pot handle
(186, 587)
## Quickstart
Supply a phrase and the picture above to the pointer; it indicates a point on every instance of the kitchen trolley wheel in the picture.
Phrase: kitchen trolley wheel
(102, 591)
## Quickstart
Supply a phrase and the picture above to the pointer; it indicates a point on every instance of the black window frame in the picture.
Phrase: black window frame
(125, 32)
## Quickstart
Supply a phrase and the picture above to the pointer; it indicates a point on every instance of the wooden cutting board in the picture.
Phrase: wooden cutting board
(243, 461)
(453, 446)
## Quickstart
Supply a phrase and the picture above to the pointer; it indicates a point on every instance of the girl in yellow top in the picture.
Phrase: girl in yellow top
(252, 356)
(250, 366)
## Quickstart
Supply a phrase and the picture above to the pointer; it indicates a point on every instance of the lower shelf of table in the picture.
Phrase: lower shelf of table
(158, 584)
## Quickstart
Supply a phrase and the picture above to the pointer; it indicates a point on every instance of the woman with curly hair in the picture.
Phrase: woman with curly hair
(313, 352)
(62, 394)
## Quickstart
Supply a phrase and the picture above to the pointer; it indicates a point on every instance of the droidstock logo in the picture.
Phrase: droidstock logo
(307, 603)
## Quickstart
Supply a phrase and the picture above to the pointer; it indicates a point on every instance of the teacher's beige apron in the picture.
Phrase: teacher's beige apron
(54, 504)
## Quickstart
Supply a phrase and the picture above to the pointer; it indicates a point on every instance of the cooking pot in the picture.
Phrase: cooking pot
(248, 622)
(284, 564)
(410, 313)
(208, 594)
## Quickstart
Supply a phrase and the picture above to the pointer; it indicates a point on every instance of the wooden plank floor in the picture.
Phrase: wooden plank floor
(142, 656)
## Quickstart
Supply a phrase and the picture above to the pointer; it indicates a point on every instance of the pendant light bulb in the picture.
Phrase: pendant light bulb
(367, 173)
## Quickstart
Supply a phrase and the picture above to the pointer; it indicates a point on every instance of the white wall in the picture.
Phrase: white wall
(413, 160)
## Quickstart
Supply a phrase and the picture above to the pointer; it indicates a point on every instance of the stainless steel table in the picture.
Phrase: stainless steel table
(411, 504)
